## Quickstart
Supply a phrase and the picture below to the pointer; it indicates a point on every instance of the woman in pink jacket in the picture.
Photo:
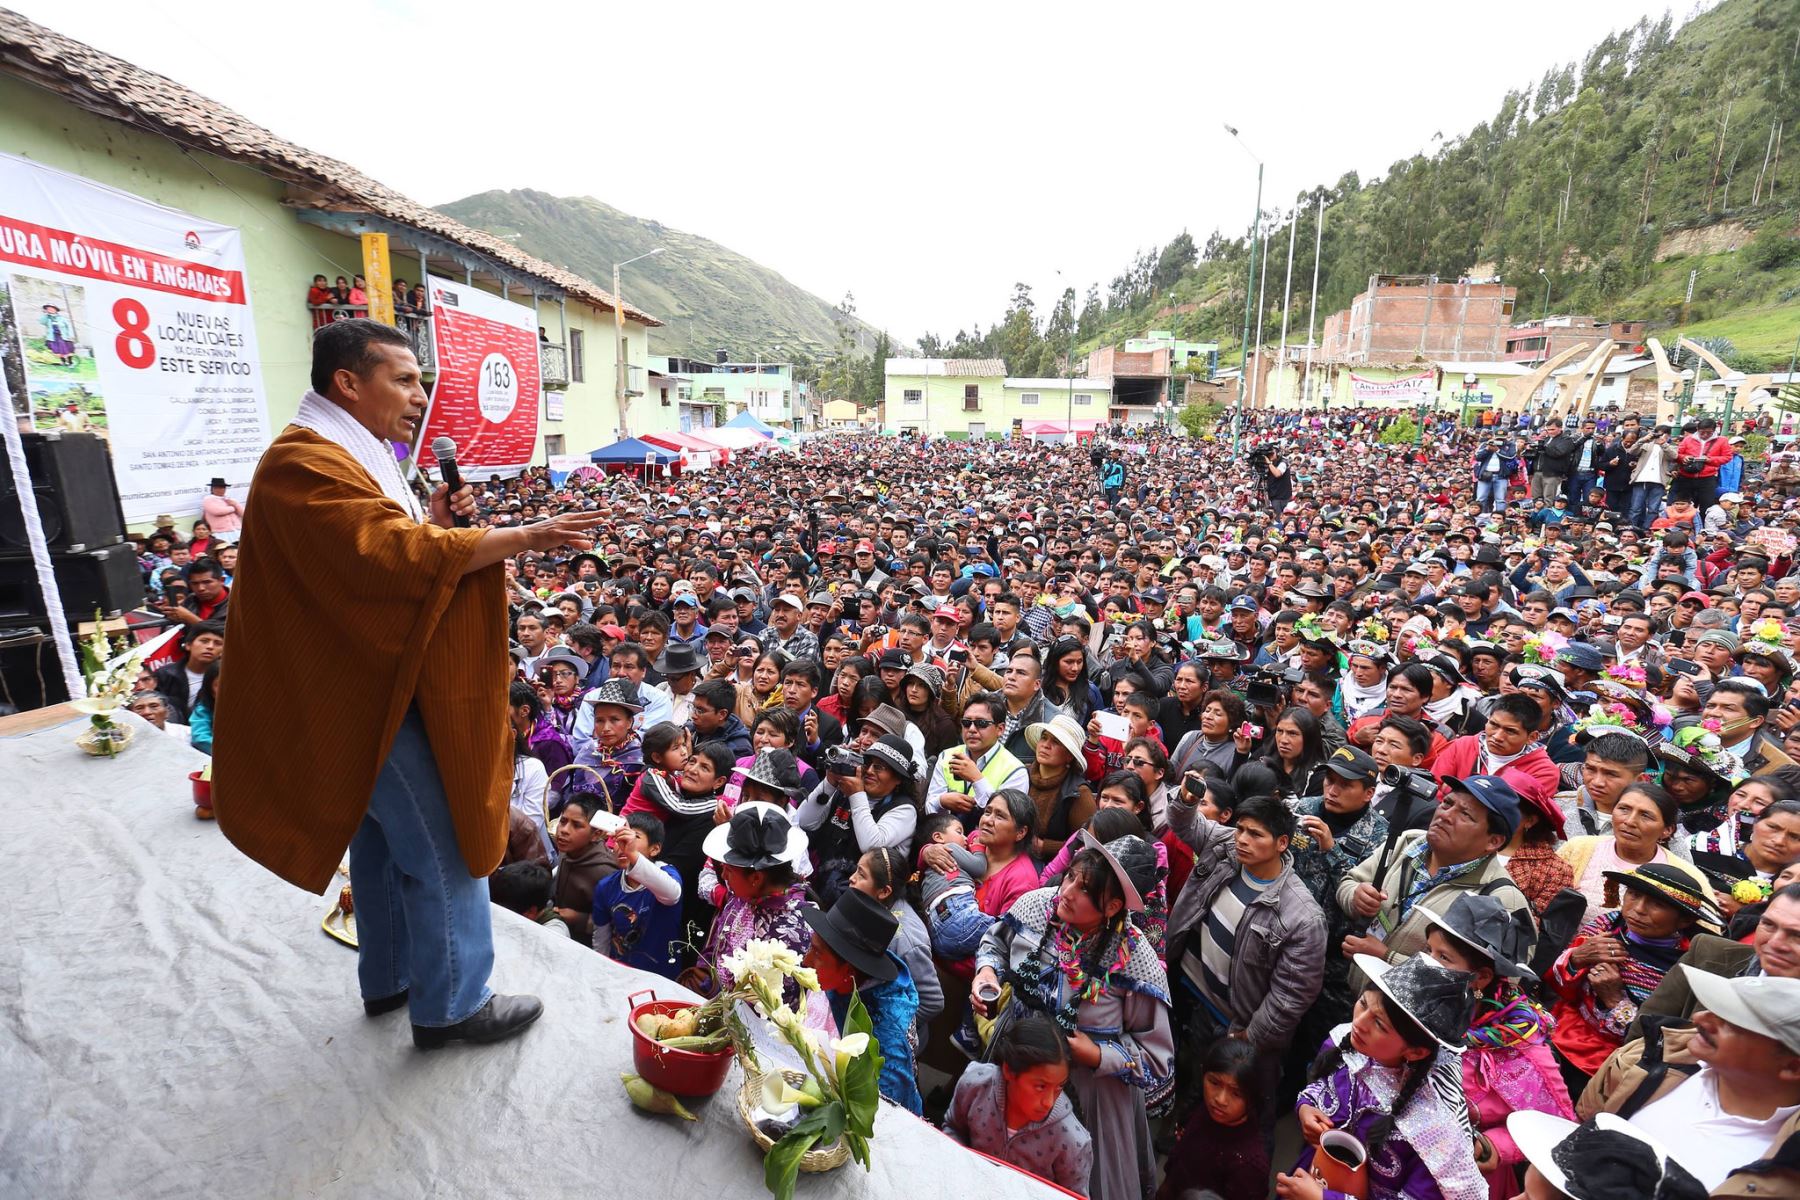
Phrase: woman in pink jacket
(1507, 747)
(1507, 1065)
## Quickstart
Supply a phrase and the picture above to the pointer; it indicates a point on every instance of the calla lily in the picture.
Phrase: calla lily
(845, 1049)
(95, 706)
(778, 1095)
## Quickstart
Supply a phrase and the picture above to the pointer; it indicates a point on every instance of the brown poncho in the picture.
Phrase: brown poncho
(344, 612)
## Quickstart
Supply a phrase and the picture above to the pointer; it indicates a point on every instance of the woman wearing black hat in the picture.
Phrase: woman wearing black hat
(1617, 960)
(860, 806)
(850, 951)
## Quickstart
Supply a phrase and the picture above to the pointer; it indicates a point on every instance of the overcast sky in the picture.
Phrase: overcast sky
(925, 156)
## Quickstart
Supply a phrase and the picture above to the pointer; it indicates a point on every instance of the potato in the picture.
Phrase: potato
(681, 1024)
(651, 1024)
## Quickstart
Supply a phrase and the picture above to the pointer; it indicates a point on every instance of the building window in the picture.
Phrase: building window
(912, 396)
(1029, 399)
(971, 397)
(717, 393)
(553, 445)
(684, 393)
(577, 358)
(1506, 308)
(1083, 399)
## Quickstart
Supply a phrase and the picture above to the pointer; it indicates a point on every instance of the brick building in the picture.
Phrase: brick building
(1406, 316)
(1535, 341)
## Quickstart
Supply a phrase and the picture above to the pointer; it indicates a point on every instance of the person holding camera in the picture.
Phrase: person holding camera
(868, 800)
(1272, 476)
(1697, 461)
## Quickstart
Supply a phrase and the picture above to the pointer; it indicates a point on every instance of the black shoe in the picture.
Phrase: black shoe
(499, 1018)
(387, 1004)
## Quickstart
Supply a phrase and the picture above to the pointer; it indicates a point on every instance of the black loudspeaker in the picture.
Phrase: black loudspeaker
(107, 579)
(77, 500)
(30, 673)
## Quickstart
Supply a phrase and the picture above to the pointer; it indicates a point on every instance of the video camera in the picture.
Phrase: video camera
(1267, 686)
(1413, 783)
(843, 760)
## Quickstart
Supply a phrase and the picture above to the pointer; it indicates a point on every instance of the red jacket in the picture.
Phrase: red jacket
(1717, 453)
(1532, 775)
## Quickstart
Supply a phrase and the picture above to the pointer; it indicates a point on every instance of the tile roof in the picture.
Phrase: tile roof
(114, 88)
(983, 368)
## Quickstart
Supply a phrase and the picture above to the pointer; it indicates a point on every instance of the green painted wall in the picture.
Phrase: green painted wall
(282, 254)
(941, 411)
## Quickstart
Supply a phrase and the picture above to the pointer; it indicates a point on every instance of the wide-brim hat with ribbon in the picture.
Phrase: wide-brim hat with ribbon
(678, 658)
(1439, 999)
(621, 693)
(1605, 1157)
(568, 658)
(757, 837)
(859, 929)
(775, 768)
(1501, 935)
(1672, 886)
(1064, 729)
(893, 752)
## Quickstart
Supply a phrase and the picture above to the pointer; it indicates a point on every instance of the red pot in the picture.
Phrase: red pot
(683, 1072)
(202, 796)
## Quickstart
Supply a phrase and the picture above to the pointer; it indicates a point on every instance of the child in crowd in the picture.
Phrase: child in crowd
(667, 748)
(637, 908)
(948, 897)
(524, 888)
(1373, 1081)
(585, 859)
(1112, 822)
(1507, 1063)
(1014, 1108)
(1139, 711)
(702, 785)
(1219, 1150)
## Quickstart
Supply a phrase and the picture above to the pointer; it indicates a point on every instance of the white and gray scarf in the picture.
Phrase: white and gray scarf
(373, 454)
(1360, 701)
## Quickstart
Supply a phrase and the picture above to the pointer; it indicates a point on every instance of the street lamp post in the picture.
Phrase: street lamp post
(620, 379)
(1237, 416)
(1546, 314)
(1325, 397)
(1470, 381)
(1732, 383)
(1687, 394)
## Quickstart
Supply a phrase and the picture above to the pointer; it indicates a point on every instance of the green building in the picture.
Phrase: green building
(74, 108)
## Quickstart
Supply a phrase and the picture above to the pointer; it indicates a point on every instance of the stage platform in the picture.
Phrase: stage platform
(174, 1023)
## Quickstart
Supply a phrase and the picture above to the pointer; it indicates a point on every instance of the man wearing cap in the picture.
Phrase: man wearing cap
(787, 634)
(1774, 949)
(1725, 1092)
(1429, 868)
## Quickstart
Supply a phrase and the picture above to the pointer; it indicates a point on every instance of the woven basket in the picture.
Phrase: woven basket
(814, 1161)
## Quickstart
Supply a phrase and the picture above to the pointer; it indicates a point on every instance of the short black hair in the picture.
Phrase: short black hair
(807, 669)
(648, 825)
(349, 346)
(720, 693)
(204, 565)
(216, 628)
(1268, 812)
(519, 886)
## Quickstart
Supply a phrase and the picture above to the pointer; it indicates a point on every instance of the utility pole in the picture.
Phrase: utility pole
(1287, 297)
(1237, 419)
(1312, 303)
(1262, 306)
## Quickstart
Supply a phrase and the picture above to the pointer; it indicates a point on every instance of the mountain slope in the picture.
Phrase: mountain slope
(709, 297)
(1658, 152)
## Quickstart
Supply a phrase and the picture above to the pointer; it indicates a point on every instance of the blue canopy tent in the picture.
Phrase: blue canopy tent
(632, 454)
(747, 420)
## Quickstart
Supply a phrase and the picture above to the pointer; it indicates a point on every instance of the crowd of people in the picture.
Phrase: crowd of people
(1441, 798)
(348, 298)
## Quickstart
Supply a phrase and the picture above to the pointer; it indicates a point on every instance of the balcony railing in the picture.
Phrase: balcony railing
(553, 365)
(417, 328)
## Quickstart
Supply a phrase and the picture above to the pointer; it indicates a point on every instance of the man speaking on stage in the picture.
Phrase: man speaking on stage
(369, 673)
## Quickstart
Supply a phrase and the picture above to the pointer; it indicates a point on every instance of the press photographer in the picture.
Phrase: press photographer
(868, 800)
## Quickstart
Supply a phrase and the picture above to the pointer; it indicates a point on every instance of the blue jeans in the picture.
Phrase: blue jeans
(957, 926)
(1580, 484)
(1646, 504)
(1491, 494)
(421, 921)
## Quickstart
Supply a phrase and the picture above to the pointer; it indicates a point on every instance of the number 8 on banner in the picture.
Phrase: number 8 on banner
(497, 390)
(133, 344)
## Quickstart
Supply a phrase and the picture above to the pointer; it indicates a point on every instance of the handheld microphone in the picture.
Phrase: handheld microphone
(444, 450)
